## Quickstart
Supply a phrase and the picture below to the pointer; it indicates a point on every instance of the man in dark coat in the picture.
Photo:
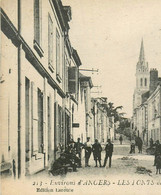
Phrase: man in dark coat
(151, 142)
(140, 144)
(120, 139)
(109, 151)
(78, 148)
(97, 149)
(88, 150)
(157, 150)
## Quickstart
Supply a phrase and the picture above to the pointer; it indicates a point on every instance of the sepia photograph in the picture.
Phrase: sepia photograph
(80, 97)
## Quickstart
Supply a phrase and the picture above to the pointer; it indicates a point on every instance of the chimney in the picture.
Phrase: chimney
(153, 79)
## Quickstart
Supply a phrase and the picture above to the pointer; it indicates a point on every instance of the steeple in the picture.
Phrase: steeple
(142, 57)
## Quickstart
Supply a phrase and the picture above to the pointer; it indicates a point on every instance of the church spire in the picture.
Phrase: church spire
(142, 57)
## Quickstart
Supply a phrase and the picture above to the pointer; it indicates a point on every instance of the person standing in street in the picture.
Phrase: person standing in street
(97, 149)
(109, 151)
(151, 143)
(78, 147)
(88, 150)
(140, 144)
(120, 139)
(157, 150)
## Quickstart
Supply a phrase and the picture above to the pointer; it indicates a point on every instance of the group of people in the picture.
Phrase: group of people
(155, 146)
(67, 159)
(138, 142)
(72, 156)
(96, 148)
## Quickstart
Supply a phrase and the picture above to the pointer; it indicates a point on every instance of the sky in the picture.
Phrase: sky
(107, 35)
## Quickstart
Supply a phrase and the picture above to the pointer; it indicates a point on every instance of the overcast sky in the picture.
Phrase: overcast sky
(107, 35)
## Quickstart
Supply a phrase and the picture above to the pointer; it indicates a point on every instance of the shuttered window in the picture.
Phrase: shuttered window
(58, 132)
(34, 108)
(37, 21)
(40, 121)
(55, 127)
(66, 64)
(50, 42)
(73, 80)
(58, 54)
(27, 118)
(49, 125)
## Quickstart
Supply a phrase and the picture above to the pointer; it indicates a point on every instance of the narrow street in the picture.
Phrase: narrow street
(123, 163)
(122, 177)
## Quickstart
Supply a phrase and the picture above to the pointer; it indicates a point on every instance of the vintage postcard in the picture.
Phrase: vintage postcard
(80, 97)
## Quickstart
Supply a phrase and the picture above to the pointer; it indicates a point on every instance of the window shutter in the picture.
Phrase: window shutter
(37, 21)
(63, 127)
(50, 41)
(56, 122)
(66, 74)
(57, 53)
(34, 143)
(73, 80)
(40, 121)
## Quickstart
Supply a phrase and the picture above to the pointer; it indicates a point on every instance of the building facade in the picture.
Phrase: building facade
(154, 114)
(36, 98)
(146, 102)
(102, 123)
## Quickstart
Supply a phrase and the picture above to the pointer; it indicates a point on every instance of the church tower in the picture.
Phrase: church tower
(142, 78)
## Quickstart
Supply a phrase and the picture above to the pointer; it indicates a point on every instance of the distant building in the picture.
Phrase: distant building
(103, 124)
(142, 86)
(142, 78)
(154, 113)
(146, 107)
(85, 89)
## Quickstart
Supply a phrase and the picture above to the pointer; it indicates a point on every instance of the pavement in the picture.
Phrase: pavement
(123, 163)
(121, 178)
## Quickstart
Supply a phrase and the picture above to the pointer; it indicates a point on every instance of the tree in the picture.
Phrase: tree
(124, 127)
(113, 111)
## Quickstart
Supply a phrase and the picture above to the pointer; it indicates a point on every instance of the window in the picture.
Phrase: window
(49, 126)
(58, 125)
(66, 65)
(40, 121)
(141, 82)
(37, 27)
(145, 81)
(50, 43)
(73, 80)
(27, 118)
(58, 56)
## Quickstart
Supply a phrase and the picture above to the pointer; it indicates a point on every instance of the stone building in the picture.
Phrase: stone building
(85, 92)
(38, 96)
(154, 107)
(142, 86)
(146, 123)
(103, 124)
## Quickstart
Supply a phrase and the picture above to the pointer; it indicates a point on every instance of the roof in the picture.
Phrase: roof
(142, 57)
(76, 57)
(145, 96)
